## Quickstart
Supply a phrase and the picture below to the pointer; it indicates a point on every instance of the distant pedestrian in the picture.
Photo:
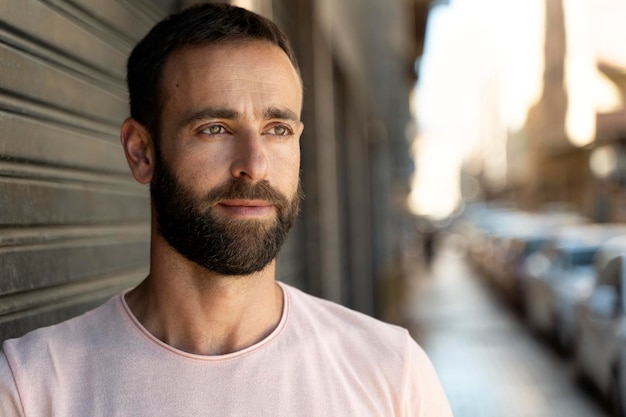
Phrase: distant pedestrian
(429, 245)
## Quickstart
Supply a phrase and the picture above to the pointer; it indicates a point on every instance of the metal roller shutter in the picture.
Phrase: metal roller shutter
(74, 225)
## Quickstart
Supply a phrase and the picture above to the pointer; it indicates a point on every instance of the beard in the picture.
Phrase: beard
(226, 246)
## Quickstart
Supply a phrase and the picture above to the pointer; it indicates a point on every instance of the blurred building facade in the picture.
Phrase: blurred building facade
(547, 162)
(74, 227)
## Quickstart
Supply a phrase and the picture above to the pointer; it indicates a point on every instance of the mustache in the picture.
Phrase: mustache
(238, 189)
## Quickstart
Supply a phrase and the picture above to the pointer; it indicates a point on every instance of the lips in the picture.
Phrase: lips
(246, 208)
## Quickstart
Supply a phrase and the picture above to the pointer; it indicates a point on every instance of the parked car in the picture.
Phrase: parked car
(600, 348)
(562, 274)
(529, 237)
(500, 239)
(514, 272)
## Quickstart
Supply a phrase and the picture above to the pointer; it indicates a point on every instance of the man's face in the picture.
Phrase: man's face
(225, 186)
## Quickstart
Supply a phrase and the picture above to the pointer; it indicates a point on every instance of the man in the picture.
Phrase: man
(215, 125)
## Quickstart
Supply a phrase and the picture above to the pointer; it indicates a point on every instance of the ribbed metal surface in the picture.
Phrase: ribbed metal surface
(74, 225)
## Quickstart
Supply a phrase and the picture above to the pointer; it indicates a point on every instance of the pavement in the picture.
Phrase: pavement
(487, 360)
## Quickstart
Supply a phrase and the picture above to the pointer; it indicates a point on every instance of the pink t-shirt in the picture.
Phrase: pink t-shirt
(321, 360)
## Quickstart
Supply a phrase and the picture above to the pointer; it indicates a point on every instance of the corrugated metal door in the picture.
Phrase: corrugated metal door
(74, 226)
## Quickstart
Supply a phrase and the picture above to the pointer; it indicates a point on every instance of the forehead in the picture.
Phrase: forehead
(229, 70)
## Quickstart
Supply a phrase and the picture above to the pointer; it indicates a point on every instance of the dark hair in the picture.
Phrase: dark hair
(202, 24)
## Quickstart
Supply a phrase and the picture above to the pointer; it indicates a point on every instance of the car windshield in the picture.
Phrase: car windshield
(533, 245)
(582, 257)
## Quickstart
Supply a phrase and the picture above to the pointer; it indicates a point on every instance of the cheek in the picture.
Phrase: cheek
(287, 169)
(201, 167)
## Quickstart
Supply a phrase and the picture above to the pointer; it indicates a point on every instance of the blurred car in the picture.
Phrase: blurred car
(521, 248)
(558, 274)
(543, 229)
(599, 352)
(500, 239)
(493, 226)
(562, 274)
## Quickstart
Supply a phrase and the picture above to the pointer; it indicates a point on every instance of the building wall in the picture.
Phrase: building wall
(356, 60)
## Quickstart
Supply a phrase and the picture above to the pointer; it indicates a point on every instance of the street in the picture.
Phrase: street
(487, 359)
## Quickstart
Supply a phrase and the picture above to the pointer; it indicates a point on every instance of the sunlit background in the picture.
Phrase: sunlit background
(520, 161)
(481, 74)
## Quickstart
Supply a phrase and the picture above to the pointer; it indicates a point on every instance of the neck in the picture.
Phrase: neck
(200, 312)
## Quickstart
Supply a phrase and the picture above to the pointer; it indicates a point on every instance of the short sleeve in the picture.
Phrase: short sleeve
(10, 404)
(423, 393)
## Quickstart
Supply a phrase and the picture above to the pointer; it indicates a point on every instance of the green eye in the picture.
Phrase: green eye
(214, 130)
(279, 130)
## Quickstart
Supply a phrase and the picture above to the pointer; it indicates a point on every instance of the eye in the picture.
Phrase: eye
(280, 130)
(213, 130)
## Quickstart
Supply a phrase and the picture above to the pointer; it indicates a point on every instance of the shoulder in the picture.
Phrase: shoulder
(358, 331)
(60, 340)
(331, 313)
(384, 356)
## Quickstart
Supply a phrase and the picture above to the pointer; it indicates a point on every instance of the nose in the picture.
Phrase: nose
(250, 160)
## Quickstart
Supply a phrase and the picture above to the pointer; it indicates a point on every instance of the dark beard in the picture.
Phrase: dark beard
(225, 246)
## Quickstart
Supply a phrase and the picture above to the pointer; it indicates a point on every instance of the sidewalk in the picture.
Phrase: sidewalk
(487, 361)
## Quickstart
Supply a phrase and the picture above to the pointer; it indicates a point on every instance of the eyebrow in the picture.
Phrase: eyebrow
(278, 113)
(209, 113)
(230, 114)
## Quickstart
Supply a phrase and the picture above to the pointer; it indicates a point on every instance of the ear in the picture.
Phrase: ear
(139, 150)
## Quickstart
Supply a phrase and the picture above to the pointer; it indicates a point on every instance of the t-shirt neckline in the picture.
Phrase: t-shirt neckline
(282, 323)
